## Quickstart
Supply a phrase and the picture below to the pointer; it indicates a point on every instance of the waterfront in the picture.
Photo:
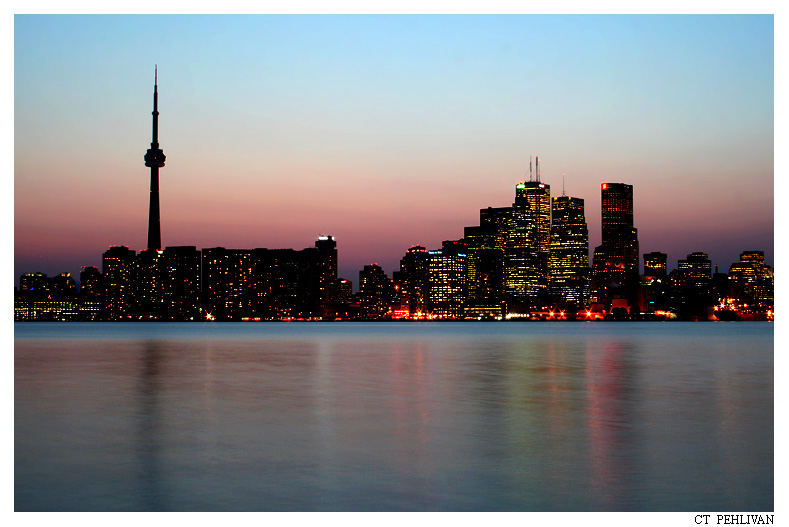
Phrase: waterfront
(342, 416)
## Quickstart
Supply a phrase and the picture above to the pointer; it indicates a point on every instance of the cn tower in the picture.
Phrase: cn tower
(154, 158)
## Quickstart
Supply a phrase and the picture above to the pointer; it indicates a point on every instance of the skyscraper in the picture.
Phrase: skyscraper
(447, 270)
(154, 158)
(615, 264)
(118, 270)
(569, 252)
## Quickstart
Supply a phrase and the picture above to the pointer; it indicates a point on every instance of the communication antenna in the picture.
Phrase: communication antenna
(530, 173)
(563, 174)
(538, 168)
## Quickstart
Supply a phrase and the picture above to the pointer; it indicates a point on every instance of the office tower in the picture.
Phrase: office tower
(118, 270)
(413, 278)
(524, 281)
(326, 273)
(375, 292)
(751, 281)
(695, 271)
(154, 158)
(447, 270)
(538, 197)
(569, 252)
(494, 221)
(655, 264)
(181, 282)
(615, 263)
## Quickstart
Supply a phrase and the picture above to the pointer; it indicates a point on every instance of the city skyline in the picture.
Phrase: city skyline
(378, 201)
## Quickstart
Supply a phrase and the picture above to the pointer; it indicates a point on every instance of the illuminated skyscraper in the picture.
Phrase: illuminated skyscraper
(615, 265)
(154, 158)
(538, 196)
(525, 274)
(569, 252)
(447, 283)
(751, 280)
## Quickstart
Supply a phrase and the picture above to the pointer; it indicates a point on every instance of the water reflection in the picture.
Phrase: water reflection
(147, 445)
(520, 419)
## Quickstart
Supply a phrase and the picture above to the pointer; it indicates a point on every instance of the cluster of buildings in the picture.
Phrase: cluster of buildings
(527, 261)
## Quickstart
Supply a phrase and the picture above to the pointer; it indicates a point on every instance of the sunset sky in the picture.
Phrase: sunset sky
(385, 131)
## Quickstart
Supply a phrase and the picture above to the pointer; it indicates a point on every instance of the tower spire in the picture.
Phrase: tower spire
(537, 162)
(154, 158)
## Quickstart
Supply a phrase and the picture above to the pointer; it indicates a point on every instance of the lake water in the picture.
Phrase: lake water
(386, 416)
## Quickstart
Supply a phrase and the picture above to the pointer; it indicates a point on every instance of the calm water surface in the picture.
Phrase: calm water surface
(339, 416)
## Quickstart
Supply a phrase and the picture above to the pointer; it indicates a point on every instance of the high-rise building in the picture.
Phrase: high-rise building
(615, 265)
(695, 271)
(118, 270)
(375, 292)
(227, 283)
(413, 278)
(655, 264)
(691, 286)
(148, 288)
(538, 196)
(447, 270)
(90, 282)
(344, 291)
(154, 158)
(751, 280)
(569, 252)
(325, 273)
(524, 280)
(181, 283)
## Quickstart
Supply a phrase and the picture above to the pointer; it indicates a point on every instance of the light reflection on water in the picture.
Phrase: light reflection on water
(469, 416)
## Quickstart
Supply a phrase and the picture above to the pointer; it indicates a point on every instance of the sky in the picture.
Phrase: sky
(386, 131)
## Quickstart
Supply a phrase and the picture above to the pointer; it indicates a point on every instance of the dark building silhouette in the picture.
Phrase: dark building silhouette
(344, 290)
(91, 284)
(375, 292)
(615, 264)
(118, 270)
(692, 287)
(154, 158)
(149, 282)
(655, 264)
(413, 279)
(181, 283)
(569, 253)
(325, 271)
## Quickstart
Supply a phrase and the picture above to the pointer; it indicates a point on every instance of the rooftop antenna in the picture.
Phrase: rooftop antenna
(563, 174)
(530, 172)
(538, 168)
